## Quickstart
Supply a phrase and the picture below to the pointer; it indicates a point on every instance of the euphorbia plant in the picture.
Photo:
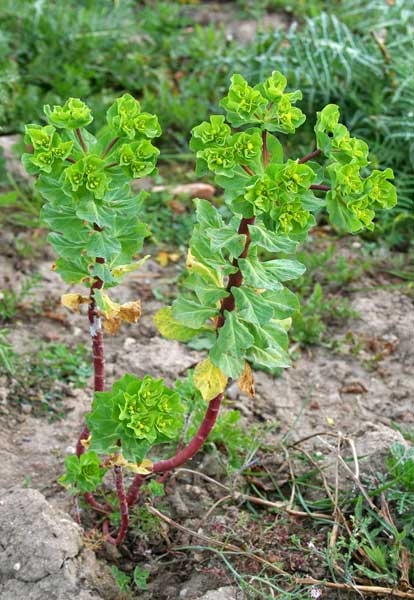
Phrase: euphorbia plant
(234, 292)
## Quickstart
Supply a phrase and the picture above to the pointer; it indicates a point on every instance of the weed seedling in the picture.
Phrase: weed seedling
(230, 291)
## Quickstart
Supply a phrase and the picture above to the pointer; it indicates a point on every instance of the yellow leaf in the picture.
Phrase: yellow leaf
(114, 312)
(86, 442)
(73, 301)
(144, 468)
(111, 326)
(164, 258)
(330, 421)
(130, 311)
(246, 381)
(209, 379)
(122, 269)
(172, 329)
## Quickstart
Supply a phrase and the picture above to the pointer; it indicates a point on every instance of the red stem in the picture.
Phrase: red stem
(309, 156)
(123, 507)
(247, 169)
(109, 146)
(81, 140)
(323, 188)
(265, 152)
(235, 280)
(113, 164)
(70, 159)
(183, 455)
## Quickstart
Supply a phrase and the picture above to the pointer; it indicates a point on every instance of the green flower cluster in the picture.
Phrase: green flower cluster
(219, 151)
(352, 199)
(48, 147)
(83, 474)
(89, 172)
(281, 193)
(139, 158)
(125, 118)
(85, 182)
(137, 412)
(72, 115)
(266, 104)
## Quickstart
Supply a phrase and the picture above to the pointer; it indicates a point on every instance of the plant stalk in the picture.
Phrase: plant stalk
(310, 156)
(123, 507)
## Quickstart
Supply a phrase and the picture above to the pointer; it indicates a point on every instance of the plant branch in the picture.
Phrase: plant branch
(183, 455)
(109, 147)
(112, 164)
(123, 507)
(265, 152)
(322, 188)
(309, 156)
(70, 159)
(247, 169)
(81, 140)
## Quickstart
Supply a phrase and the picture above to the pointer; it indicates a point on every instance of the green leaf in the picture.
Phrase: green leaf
(208, 293)
(252, 306)
(191, 313)
(207, 214)
(271, 241)
(284, 303)
(270, 358)
(232, 340)
(172, 329)
(274, 148)
(75, 271)
(102, 245)
(227, 238)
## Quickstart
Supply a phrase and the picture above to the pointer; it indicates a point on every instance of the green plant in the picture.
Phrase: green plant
(11, 299)
(40, 379)
(7, 355)
(232, 292)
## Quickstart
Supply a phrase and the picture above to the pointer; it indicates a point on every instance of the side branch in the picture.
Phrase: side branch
(322, 188)
(81, 140)
(109, 147)
(309, 156)
(186, 453)
(123, 508)
(265, 151)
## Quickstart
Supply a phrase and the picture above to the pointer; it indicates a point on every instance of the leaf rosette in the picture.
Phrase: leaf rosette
(83, 473)
(136, 414)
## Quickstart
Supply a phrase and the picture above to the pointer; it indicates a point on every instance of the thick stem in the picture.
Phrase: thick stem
(235, 279)
(109, 147)
(81, 140)
(322, 188)
(309, 156)
(123, 507)
(97, 352)
(186, 453)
